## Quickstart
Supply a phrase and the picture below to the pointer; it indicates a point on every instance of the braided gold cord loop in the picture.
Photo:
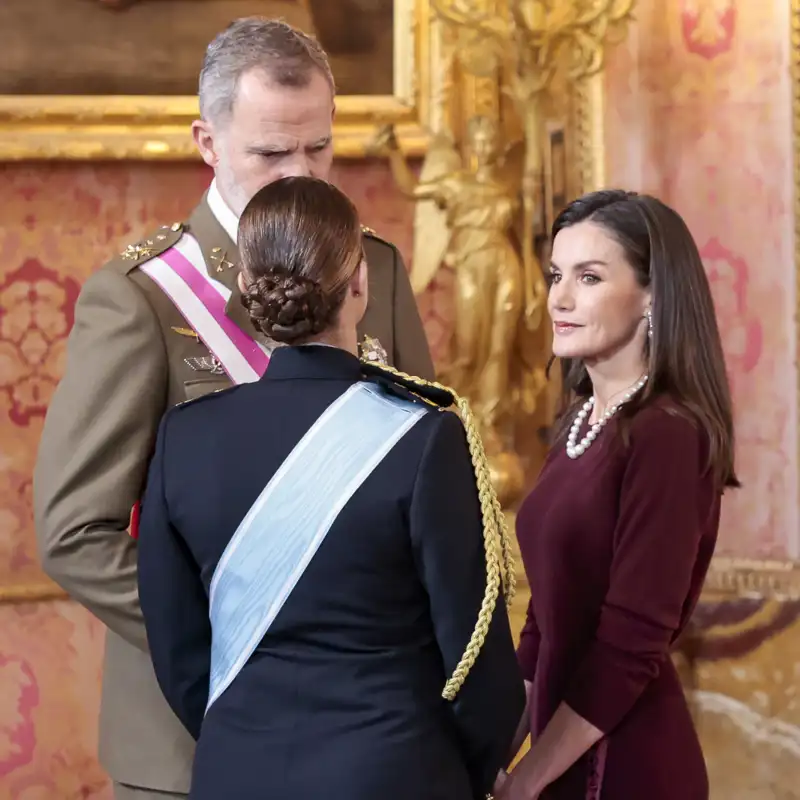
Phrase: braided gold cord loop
(496, 541)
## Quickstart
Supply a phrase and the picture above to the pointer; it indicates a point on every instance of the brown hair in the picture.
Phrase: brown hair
(685, 358)
(300, 243)
(286, 54)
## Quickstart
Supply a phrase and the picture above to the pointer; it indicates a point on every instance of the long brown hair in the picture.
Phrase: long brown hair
(300, 241)
(684, 354)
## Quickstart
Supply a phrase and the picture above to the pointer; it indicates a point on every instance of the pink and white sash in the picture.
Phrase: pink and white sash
(182, 274)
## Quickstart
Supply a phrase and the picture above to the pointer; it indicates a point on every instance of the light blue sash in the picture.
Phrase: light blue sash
(288, 522)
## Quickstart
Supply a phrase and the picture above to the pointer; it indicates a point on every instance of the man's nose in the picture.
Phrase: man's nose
(298, 166)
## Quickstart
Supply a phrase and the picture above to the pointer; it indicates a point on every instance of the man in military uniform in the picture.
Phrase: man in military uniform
(266, 101)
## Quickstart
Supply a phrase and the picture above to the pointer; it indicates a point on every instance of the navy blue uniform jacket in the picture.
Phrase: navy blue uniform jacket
(342, 698)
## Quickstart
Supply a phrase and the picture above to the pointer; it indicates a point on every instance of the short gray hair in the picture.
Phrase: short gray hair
(286, 54)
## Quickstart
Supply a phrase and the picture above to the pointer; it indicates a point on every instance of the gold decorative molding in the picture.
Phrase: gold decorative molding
(31, 593)
(740, 577)
(157, 128)
(795, 75)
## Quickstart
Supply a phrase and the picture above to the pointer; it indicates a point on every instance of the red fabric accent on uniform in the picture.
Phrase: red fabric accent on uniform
(136, 511)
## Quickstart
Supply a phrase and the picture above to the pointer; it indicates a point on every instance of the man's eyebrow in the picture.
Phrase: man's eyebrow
(268, 148)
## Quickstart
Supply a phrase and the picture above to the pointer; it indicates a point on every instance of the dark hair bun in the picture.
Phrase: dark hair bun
(287, 308)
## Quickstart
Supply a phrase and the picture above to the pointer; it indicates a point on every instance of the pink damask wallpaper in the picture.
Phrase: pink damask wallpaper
(698, 113)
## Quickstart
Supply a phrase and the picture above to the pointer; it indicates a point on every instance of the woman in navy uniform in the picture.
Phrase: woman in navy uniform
(321, 579)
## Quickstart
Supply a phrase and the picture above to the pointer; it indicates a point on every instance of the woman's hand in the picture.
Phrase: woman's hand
(500, 782)
(513, 788)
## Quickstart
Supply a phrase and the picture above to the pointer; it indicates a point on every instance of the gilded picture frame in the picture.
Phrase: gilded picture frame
(151, 127)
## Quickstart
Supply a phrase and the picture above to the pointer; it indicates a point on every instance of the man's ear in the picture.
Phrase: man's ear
(206, 142)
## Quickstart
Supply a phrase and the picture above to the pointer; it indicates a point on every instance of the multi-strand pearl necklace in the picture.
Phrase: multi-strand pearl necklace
(574, 450)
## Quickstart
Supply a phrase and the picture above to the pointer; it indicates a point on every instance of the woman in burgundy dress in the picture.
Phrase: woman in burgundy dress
(618, 533)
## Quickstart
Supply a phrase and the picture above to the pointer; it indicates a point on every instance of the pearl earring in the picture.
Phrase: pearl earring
(649, 315)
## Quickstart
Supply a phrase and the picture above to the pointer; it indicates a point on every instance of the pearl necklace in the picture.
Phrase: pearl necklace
(574, 450)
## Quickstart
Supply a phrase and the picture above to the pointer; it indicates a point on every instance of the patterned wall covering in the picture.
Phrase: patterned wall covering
(698, 112)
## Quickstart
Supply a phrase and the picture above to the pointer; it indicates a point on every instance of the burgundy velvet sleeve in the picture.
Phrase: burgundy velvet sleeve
(528, 648)
(655, 548)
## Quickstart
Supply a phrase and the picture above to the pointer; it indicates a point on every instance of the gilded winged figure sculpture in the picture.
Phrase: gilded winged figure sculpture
(468, 218)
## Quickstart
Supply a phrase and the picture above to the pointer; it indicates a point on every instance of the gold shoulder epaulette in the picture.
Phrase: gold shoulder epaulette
(153, 245)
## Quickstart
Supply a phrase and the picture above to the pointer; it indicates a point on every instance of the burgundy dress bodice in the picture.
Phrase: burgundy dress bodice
(616, 545)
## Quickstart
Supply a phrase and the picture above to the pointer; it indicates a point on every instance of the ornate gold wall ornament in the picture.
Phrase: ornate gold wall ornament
(531, 43)
(473, 228)
(519, 133)
(157, 127)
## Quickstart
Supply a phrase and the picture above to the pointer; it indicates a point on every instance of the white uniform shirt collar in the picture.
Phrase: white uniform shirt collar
(221, 210)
